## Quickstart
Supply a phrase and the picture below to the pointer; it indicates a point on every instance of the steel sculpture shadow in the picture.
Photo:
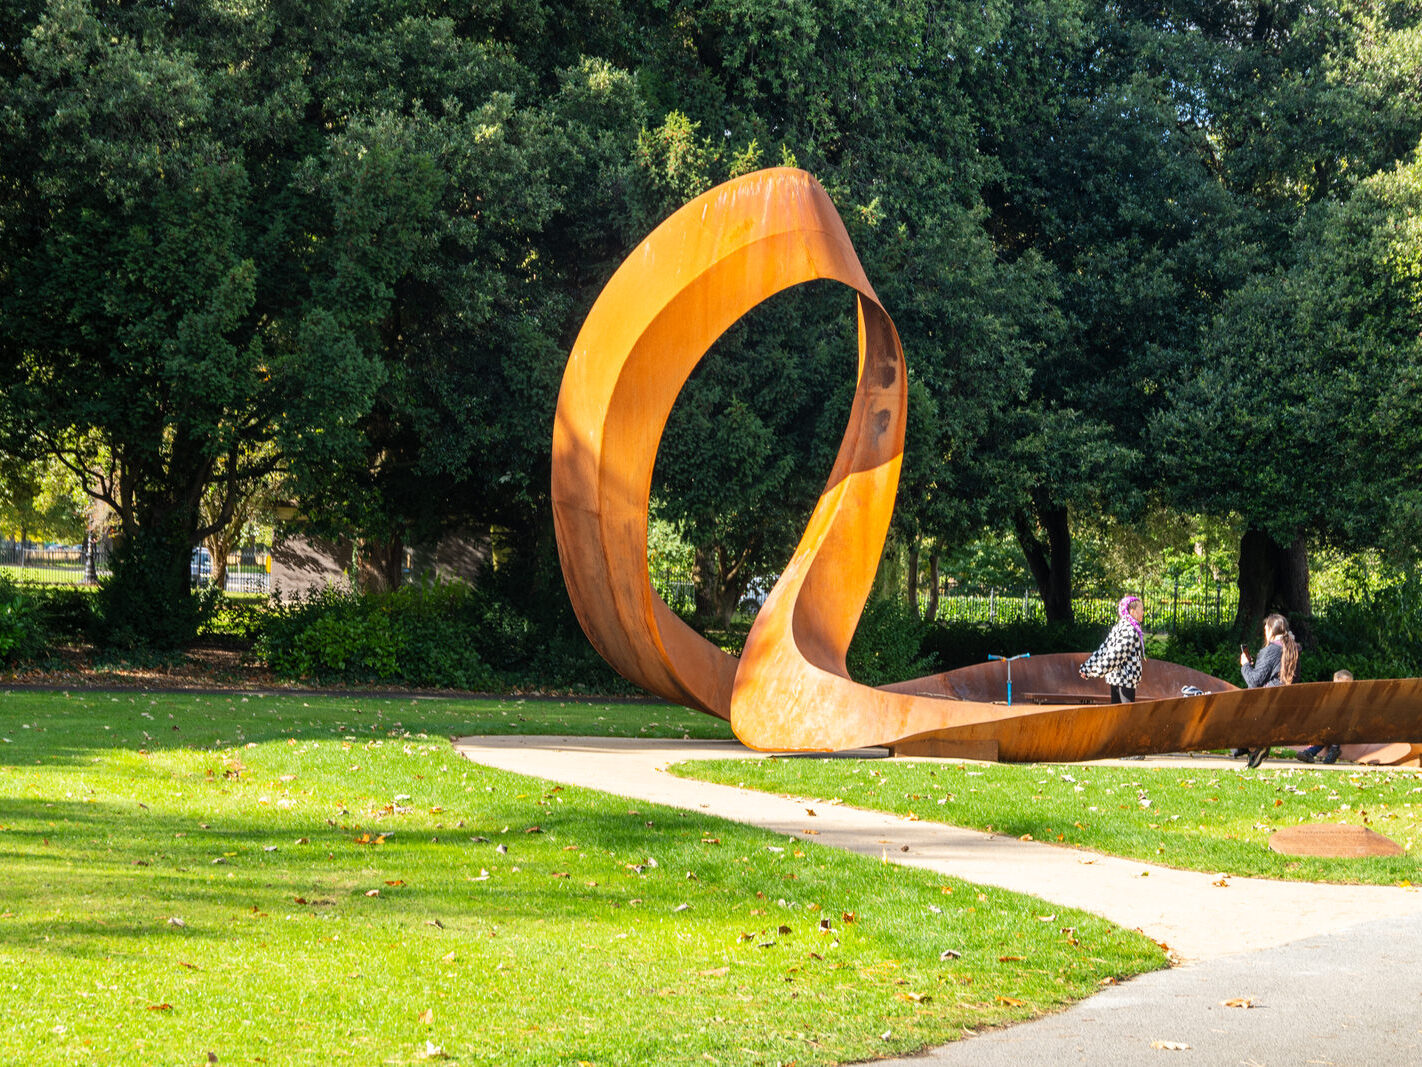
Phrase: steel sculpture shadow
(686, 284)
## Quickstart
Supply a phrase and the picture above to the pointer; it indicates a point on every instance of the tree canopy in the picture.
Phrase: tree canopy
(1141, 255)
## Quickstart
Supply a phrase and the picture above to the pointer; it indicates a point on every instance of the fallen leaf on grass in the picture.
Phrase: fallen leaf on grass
(427, 1016)
(1011, 1002)
(950, 954)
(1170, 1046)
(718, 972)
(918, 998)
(175, 921)
(1010, 959)
(160, 1007)
(189, 966)
(394, 881)
(372, 892)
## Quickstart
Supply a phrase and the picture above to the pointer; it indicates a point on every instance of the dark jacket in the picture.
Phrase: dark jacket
(1265, 670)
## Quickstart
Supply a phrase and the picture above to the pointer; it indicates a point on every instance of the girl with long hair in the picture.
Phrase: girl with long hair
(1277, 663)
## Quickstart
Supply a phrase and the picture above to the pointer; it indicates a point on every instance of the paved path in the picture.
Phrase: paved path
(1334, 971)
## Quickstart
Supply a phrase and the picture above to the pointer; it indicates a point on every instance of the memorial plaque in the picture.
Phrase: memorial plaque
(1334, 842)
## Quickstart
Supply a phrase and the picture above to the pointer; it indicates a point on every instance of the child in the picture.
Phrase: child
(1330, 754)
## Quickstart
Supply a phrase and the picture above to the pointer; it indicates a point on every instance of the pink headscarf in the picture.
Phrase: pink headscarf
(1123, 609)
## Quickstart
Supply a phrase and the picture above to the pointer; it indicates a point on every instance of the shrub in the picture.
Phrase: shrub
(888, 645)
(67, 612)
(22, 633)
(416, 635)
(961, 644)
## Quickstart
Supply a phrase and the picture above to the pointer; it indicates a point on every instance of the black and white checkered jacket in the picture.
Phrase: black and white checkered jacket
(1121, 657)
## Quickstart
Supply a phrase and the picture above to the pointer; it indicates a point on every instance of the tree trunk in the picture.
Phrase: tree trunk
(930, 611)
(1272, 578)
(1048, 554)
(707, 587)
(382, 565)
(911, 577)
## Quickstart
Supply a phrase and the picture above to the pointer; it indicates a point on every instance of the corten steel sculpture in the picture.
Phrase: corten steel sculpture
(699, 272)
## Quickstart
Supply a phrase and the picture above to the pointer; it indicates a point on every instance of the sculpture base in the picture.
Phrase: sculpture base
(939, 749)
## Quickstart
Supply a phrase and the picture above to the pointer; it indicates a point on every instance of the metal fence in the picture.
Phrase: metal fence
(1167, 607)
(87, 564)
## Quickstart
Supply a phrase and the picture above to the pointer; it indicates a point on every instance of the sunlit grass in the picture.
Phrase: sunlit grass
(300, 880)
(1207, 819)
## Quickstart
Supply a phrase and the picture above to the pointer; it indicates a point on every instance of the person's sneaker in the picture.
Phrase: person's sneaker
(1331, 754)
(1240, 752)
(1308, 755)
(1258, 756)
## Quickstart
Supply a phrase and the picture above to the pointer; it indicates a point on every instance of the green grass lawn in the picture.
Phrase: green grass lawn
(301, 880)
(1206, 819)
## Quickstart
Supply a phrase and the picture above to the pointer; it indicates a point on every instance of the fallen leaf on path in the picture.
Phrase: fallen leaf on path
(1171, 1046)
(1238, 1002)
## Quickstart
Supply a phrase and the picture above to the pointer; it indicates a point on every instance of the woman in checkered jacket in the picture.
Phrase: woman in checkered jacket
(1121, 657)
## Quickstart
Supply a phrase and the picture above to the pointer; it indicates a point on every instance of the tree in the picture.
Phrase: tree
(40, 499)
(1304, 106)
(1300, 417)
(876, 108)
(196, 261)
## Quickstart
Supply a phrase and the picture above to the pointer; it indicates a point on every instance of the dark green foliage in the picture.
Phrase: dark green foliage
(1377, 637)
(415, 635)
(962, 644)
(888, 644)
(144, 602)
(21, 625)
(68, 613)
(434, 636)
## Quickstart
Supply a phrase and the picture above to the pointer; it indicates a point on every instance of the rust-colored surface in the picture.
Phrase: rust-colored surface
(1398, 754)
(692, 278)
(1337, 842)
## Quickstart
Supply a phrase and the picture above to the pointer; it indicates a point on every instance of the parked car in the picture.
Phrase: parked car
(200, 569)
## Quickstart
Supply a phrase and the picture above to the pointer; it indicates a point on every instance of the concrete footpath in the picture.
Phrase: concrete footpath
(1333, 974)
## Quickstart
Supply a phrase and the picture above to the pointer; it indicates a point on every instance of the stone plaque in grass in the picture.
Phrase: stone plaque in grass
(1338, 842)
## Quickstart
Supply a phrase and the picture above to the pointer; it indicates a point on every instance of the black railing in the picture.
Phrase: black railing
(85, 565)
